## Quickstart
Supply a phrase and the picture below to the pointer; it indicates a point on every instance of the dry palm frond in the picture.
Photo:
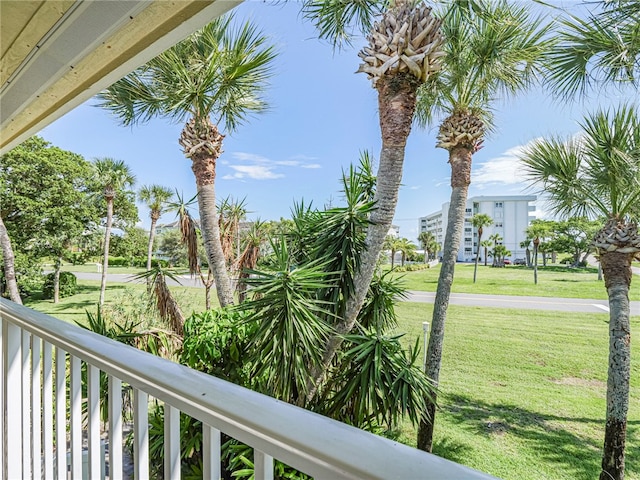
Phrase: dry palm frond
(189, 238)
(168, 308)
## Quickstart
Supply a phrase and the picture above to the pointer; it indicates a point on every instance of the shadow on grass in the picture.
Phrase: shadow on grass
(451, 450)
(547, 435)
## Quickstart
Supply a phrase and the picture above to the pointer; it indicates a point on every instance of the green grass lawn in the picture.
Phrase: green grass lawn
(523, 392)
(553, 281)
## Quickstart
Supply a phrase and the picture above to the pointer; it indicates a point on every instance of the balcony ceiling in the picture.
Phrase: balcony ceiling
(54, 55)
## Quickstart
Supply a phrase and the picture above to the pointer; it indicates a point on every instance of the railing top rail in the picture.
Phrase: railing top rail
(316, 445)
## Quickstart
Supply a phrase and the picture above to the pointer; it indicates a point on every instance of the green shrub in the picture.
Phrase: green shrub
(119, 262)
(68, 285)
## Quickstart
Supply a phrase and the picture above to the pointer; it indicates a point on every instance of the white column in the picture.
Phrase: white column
(61, 414)
(93, 413)
(36, 408)
(12, 347)
(262, 465)
(171, 443)
(115, 428)
(76, 417)
(26, 404)
(211, 452)
(47, 409)
(141, 434)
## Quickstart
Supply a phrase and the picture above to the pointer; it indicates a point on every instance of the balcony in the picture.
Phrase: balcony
(42, 409)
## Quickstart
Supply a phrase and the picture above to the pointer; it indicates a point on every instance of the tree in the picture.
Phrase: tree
(538, 231)
(599, 175)
(479, 220)
(45, 199)
(219, 72)
(526, 243)
(232, 212)
(155, 197)
(493, 50)
(114, 177)
(495, 239)
(486, 244)
(8, 260)
(393, 244)
(255, 238)
(574, 236)
(407, 248)
(426, 240)
(403, 52)
(602, 49)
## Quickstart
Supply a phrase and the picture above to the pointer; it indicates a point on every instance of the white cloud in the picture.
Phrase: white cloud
(255, 172)
(505, 169)
(257, 167)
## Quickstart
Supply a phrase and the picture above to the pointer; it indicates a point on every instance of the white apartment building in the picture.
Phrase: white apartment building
(511, 215)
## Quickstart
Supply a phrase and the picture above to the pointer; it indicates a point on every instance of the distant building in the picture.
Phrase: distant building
(394, 231)
(511, 216)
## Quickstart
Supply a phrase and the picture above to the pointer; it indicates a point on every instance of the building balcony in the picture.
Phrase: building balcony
(44, 386)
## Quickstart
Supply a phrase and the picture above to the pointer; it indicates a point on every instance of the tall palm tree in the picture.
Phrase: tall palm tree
(155, 197)
(113, 177)
(426, 239)
(479, 220)
(486, 244)
(404, 51)
(599, 175)
(494, 49)
(538, 230)
(407, 248)
(495, 239)
(216, 75)
(526, 243)
(393, 244)
(8, 260)
(603, 48)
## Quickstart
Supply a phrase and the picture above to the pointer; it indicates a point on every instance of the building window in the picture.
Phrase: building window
(498, 204)
(467, 230)
(499, 225)
(467, 251)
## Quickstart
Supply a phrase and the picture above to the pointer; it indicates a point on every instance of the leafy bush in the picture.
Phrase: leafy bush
(119, 262)
(68, 285)
(77, 258)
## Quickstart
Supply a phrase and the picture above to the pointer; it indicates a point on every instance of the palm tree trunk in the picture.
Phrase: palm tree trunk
(485, 256)
(460, 159)
(9, 265)
(475, 268)
(152, 235)
(105, 260)
(211, 237)
(56, 280)
(393, 258)
(396, 104)
(617, 274)
(535, 264)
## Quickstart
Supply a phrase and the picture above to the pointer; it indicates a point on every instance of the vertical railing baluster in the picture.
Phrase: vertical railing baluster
(2, 390)
(211, 452)
(12, 346)
(26, 404)
(47, 409)
(61, 414)
(75, 393)
(262, 465)
(171, 442)
(141, 435)
(36, 408)
(93, 420)
(115, 428)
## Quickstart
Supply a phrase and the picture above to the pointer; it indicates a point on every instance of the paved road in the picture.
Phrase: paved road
(465, 299)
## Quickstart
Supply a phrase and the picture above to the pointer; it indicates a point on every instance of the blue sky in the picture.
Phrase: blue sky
(322, 116)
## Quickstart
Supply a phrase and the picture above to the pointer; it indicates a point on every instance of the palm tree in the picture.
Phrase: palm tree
(232, 212)
(426, 240)
(493, 50)
(216, 72)
(479, 220)
(486, 244)
(495, 239)
(603, 48)
(407, 248)
(537, 231)
(394, 245)
(248, 260)
(9, 264)
(526, 243)
(403, 52)
(599, 174)
(155, 196)
(113, 177)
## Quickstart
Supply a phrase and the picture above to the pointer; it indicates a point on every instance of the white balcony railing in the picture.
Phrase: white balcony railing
(41, 411)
